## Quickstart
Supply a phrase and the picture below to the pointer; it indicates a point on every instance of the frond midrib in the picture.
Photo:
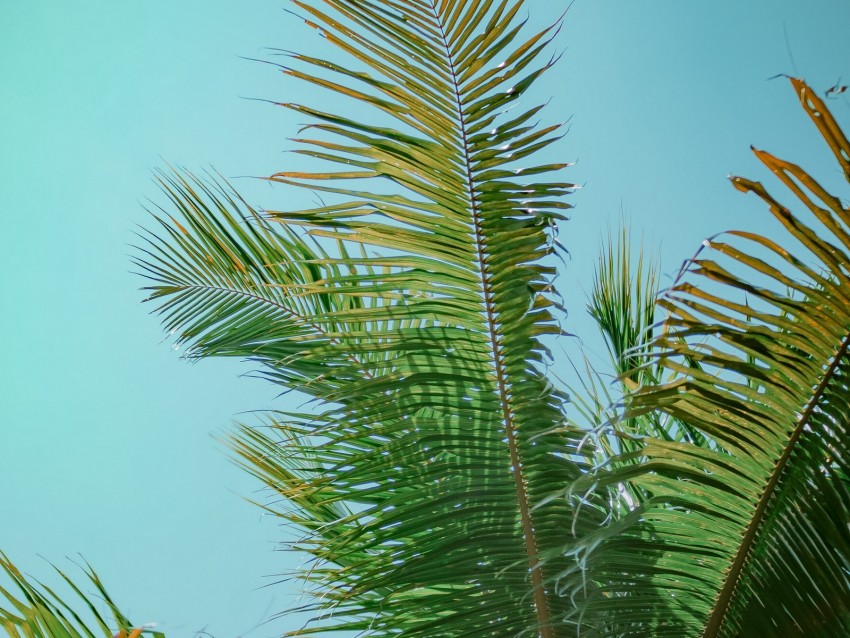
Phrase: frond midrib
(539, 593)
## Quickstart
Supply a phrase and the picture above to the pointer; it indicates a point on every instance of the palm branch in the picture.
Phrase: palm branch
(746, 535)
(38, 612)
(411, 311)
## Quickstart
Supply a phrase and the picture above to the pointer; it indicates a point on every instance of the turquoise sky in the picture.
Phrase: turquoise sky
(107, 436)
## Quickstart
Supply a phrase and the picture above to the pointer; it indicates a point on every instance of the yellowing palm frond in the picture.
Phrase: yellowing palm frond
(747, 536)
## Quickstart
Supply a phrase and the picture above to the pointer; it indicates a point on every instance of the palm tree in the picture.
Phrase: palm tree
(440, 485)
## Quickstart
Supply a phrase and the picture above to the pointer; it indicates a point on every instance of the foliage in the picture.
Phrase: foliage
(438, 484)
(37, 612)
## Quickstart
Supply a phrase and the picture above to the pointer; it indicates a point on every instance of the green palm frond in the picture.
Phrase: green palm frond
(747, 536)
(622, 302)
(230, 285)
(38, 612)
(423, 478)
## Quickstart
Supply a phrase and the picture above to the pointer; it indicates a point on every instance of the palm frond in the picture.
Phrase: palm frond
(747, 536)
(438, 440)
(626, 284)
(38, 612)
(229, 285)
(622, 301)
(622, 304)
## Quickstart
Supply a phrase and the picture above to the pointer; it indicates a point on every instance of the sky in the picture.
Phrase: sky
(111, 442)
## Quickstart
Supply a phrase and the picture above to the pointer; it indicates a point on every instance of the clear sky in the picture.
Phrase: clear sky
(107, 436)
